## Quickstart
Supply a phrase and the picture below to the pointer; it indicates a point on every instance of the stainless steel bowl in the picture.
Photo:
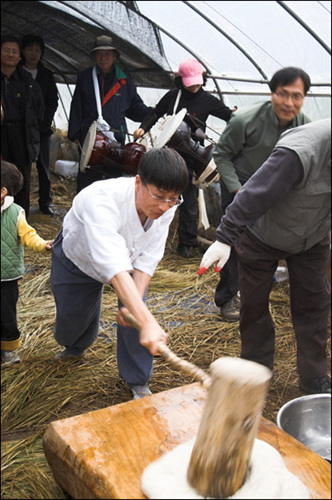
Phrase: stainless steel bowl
(308, 419)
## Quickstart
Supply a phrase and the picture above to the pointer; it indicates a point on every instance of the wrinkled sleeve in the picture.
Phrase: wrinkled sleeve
(137, 110)
(230, 143)
(28, 235)
(51, 102)
(156, 113)
(76, 114)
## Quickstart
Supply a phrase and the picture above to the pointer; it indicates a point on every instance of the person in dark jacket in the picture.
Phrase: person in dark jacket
(189, 94)
(117, 100)
(284, 212)
(33, 47)
(23, 110)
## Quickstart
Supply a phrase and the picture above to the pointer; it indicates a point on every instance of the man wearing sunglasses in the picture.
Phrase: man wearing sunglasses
(115, 233)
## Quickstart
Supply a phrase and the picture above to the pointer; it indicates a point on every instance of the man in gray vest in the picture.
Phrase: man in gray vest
(284, 212)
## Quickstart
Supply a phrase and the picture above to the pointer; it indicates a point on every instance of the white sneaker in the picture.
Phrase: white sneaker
(9, 358)
(140, 391)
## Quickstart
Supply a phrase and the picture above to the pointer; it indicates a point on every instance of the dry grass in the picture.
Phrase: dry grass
(40, 390)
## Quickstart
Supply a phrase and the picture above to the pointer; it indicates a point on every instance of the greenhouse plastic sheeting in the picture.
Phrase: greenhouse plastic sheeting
(240, 43)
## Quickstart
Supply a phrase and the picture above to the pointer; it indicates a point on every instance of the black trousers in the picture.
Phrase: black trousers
(188, 217)
(14, 150)
(309, 302)
(9, 298)
(228, 285)
(43, 164)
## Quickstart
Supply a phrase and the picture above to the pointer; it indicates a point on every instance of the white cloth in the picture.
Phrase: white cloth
(203, 219)
(102, 125)
(103, 235)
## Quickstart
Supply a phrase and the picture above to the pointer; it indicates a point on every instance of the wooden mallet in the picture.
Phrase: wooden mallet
(237, 388)
(221, 455)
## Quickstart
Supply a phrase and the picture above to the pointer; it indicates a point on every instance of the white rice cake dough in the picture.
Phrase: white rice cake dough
(268, 476)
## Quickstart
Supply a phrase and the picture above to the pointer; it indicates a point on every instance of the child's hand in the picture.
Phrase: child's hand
(48, 245)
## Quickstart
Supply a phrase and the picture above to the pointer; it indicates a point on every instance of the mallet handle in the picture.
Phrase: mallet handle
(180, 364)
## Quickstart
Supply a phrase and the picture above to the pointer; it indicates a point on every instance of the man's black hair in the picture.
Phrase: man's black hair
(11, 178)
(285, 76)
(164, 168)
(10, 38)
(30, 39)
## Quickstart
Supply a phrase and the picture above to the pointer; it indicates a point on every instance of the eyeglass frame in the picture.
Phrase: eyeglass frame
(160, 199)
(283, 95)
(8, 51)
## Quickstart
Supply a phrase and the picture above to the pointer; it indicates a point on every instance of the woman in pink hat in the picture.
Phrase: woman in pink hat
(189, 94)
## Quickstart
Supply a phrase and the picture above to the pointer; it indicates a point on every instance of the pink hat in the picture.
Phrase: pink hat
(191, 72)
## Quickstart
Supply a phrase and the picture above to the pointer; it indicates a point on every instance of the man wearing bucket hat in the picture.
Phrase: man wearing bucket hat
(200, 104)
(103, 93)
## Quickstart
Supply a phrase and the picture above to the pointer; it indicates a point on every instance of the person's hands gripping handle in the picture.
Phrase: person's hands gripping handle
(217, 252)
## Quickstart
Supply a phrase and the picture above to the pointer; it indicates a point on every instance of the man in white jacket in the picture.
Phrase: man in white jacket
(115, 233)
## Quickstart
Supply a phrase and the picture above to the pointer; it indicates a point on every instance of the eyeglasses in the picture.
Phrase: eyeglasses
(11, 51)
(284, 96)
(160, 199)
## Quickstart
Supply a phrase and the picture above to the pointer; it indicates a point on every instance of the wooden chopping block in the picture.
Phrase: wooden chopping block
(102, 454)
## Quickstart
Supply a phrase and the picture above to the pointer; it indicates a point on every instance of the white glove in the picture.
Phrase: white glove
(216, 252)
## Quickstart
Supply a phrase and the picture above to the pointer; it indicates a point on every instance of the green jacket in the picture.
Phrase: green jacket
(12, 251)
(247, 142)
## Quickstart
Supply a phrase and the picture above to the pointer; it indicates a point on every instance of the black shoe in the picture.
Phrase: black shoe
(315, 385)
(231, 309)
(186, 252)
(46, 211)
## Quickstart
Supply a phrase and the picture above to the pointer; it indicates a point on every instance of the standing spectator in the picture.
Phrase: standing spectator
(23, 108)
(284, 212)
(33, 48)
(116, 99)
(15, 234)
(189, 94)
(244, 145)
